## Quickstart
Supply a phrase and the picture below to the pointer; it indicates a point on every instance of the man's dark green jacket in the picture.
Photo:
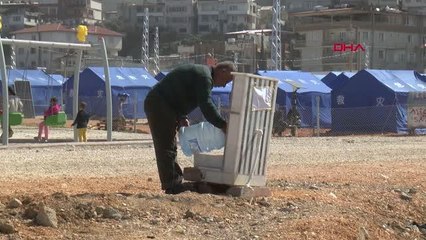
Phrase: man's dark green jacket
(187, 87)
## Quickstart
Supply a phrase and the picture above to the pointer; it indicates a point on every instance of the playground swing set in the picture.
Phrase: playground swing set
(16, 118)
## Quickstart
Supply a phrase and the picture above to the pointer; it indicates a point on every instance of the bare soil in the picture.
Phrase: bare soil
(348, 201)
(383, 197)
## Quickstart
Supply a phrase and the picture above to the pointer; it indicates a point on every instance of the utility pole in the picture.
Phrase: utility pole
(145, 40)
(157, 51)
(276, 36)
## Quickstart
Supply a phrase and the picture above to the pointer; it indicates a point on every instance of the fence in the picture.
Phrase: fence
(344, 121)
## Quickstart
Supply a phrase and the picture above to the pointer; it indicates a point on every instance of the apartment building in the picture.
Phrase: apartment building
(73, 12)
(226, 15)
(60, 60)
(134, 13)
(380, 39)
(308, 5)
(417, 6)
(181, 15)
(17, 15)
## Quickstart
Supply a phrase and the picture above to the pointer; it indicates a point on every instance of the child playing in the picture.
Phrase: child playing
(53, 109)
(82, 120)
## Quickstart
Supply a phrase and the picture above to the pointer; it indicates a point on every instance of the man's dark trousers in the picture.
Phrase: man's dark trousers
(162, 121)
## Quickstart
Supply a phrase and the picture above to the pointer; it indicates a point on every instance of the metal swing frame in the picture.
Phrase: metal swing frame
(80, 48)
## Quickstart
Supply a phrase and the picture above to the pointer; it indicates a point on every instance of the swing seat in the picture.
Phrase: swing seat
(15, 118)
(56, 120)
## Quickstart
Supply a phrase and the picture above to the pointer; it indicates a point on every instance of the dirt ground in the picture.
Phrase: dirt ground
(345, 200)
(354, 201)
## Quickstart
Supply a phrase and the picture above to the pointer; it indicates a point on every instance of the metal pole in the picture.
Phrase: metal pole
(318, 115)
(5, 93)
(107, 91)
(76, 90)
(32, 43)
(135, 109)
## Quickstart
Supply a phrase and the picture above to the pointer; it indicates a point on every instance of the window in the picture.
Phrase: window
(381, 54)
(17, 18)
(233, 8)
(342, 36)
(33, 37)
(204, 18)
(203, 28)
(409, 38)
(381, 36)
(365, 36)
(412, 57)
(234, 18)
(33, 51)
(21, 50)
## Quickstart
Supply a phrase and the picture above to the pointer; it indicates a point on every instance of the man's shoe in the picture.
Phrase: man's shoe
(179, 188)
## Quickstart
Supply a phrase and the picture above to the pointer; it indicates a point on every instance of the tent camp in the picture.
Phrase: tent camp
(136, 82)
(41, 88)
(310, 89)
(374, 101)
(336, 80)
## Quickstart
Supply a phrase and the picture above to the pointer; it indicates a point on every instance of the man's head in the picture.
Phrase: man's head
(222, 73)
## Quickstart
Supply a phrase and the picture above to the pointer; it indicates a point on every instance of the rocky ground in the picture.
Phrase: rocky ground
(351, 187)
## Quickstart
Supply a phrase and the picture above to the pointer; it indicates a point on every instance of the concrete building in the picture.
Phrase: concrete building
(17, 16)
(74, 12)
(60, 60)
(380, 39)
(416, 6)
(181, 15)
(133, 13)
(308, 5)
(226, 16)
(49, 9)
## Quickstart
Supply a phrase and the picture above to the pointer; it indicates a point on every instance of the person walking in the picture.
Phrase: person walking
(81, 121)
(166, 106)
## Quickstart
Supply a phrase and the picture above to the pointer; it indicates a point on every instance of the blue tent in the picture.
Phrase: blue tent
(320, 76)
(43, 87)
(133, 81)
(160, 75)
(374, 101)
(221, 96)
(310, 89)
(336, 80)
(58, 78)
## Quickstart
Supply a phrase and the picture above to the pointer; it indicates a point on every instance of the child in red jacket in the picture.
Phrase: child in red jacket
(53, 109)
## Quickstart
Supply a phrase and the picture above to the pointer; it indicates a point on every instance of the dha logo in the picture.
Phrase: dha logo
(343, 47)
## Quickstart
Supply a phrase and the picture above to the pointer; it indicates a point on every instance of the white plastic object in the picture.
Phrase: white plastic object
(199, 138)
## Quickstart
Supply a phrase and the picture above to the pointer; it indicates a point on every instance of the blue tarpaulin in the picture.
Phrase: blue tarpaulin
(374, 101)
(134, 81)
(310, 89)
(335, 80)
(43, 87)
(160, 75)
